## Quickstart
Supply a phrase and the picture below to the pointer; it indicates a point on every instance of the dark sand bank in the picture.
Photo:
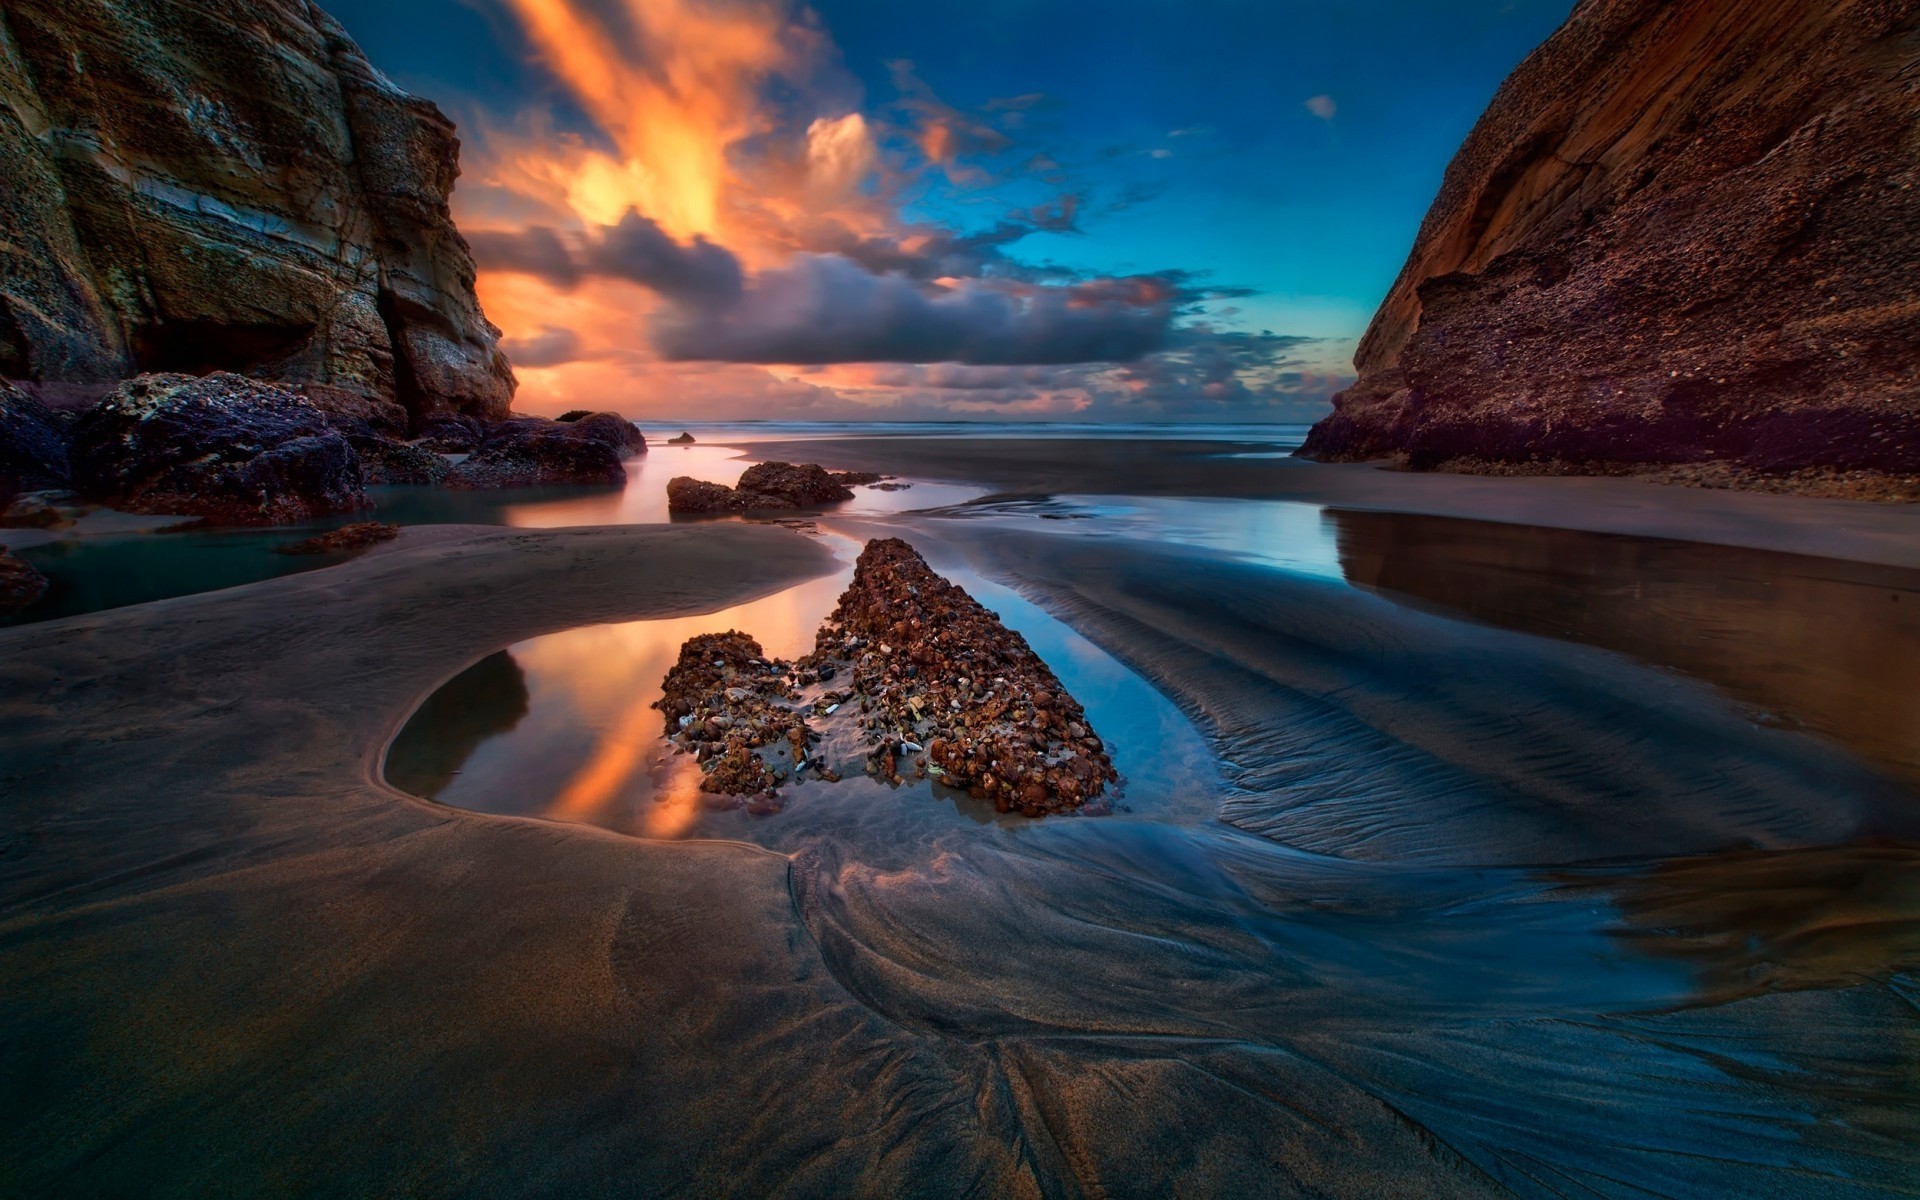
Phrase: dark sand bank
(234, 963)
(1849, 529)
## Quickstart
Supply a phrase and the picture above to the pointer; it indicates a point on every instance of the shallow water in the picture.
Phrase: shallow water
(1735, 1022)
(563, 726)
(90, 572)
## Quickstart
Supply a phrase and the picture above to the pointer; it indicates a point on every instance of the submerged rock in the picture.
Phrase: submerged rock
(765, 486)
(33, 445)
(1684, 232)
(348, 537)
(21, 586)
(929, 682)
(230, 449)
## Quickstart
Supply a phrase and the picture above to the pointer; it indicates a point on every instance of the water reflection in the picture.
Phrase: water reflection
(1753, 921)
(485, 700)
(90, 572)
(1829, 645)
(588, 747)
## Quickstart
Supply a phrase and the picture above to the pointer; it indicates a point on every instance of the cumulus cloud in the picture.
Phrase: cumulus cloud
(876, 302)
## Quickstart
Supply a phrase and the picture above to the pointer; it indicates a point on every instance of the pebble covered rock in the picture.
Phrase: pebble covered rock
(735, 711)
(932, 684)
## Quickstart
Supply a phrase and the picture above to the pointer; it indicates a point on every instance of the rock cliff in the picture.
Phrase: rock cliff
(230, 185)
(1684, 232)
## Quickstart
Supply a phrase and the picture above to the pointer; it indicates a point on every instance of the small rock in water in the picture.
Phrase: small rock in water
(347, 537)
(1001, 743)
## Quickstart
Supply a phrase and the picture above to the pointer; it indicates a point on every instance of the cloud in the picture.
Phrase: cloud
(1322, 107)
(551, 347)
(825, 308)
(635, 250)
(875, 301)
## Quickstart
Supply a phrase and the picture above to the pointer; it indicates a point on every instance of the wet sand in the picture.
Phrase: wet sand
(1437, 947)
(1858, 530)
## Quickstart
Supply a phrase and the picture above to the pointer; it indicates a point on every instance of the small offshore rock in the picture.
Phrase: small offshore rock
(347, 537)
(21, 586)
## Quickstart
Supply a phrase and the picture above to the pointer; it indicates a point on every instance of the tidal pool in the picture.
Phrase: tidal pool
(1739, 1020)
(563, 726)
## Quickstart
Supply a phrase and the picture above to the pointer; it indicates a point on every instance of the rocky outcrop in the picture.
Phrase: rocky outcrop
(683, 439)
(21, 586)
(612, 428)
(910, 673)
(358, 536)
(230, 185)
(33, 445)
(766, 486)
(533, 452)
(1685, 232)
(231, 449)
(935, 670)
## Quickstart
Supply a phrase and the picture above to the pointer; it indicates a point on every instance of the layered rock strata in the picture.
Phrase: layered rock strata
(230, 185)
(1684, 232)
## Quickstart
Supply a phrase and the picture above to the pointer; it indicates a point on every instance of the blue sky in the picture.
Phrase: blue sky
(1285, 150)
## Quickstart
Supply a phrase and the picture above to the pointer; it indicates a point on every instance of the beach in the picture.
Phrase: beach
(1437, 899)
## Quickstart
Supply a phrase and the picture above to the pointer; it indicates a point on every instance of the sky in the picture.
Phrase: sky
(1080, 210)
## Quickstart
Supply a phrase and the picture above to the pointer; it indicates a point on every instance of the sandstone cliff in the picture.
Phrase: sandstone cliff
(230, 185)
(1684, 232)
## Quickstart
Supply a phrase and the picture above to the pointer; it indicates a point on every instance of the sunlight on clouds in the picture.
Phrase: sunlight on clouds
(671, 111)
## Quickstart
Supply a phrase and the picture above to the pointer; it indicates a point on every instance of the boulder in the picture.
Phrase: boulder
(763, 486)
(231, 449)
(21, 586)
(532, 453)
(684, 439)
(1684, 232)
(686, 494)
(230, 185)
(33, 445)
(623, 435)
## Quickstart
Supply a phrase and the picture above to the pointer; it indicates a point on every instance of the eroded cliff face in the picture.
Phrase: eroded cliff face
(230, 185)
(1685, 232)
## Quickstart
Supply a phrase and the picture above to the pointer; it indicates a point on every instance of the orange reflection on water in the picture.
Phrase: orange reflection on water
(614, 761)
(676, 803)
(596, 687)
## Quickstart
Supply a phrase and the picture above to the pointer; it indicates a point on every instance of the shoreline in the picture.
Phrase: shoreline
(234, 948)
(1854, 530)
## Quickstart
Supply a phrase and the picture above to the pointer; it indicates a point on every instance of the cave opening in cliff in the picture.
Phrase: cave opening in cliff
(203, 347)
